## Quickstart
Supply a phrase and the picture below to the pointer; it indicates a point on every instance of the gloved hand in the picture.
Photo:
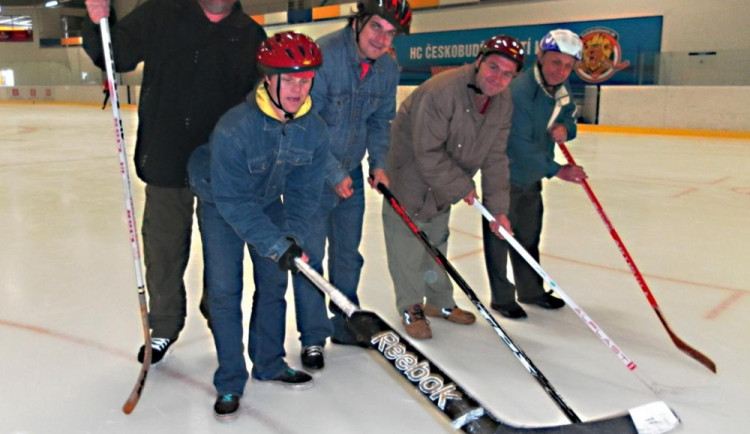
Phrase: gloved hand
(286, 261)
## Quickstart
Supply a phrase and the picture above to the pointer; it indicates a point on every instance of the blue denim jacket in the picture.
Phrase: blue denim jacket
(252, 160)
(358, 113)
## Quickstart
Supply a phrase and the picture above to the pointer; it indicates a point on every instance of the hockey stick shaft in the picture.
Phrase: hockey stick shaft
(577, 309)
(135, 395)
(684, 347)
(443, 262)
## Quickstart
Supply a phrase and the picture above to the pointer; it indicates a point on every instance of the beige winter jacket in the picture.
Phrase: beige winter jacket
(439, 141)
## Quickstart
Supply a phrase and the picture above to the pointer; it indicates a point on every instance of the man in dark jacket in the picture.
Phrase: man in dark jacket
(198, 61)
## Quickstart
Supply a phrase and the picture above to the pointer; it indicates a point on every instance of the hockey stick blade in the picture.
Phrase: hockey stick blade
(463, 411)
(684, 347)
(135, 395)
(679, 343)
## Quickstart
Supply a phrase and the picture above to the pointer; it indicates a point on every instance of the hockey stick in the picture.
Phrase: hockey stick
(463, 410)
(443, 262)
(684, 347)
(135, 395)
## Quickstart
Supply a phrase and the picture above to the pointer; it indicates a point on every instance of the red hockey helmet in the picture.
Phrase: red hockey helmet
(288, 52)
(396, 12)
(505, 46)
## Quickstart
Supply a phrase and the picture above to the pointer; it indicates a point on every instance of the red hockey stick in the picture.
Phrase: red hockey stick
(562, 98)
(687, 349)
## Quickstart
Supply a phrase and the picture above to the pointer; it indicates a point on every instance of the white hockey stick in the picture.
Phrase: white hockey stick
(592, 325)
(135, 395)
(538, 268)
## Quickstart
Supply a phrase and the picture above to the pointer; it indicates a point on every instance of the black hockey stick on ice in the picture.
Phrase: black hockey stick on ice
(135, 395)
(465, 412)
(443, 262)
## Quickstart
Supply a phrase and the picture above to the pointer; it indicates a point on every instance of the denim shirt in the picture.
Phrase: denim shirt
(358, 113)
(251, 161)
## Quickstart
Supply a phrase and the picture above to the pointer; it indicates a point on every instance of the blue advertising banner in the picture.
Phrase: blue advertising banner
(617, 51)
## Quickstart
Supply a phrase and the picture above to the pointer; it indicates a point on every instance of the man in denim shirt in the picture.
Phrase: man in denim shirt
(355, 93)
(258, 181)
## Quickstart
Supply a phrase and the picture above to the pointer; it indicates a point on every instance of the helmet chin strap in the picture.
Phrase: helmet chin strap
(287, 115)
(474, 87)
(549, 89)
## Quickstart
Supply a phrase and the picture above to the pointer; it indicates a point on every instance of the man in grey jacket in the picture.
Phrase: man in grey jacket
(451, 126)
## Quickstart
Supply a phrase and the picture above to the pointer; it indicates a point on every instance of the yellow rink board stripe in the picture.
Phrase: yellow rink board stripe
(665, 131)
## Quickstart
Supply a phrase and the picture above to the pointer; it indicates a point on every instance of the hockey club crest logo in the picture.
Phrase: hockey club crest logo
(602, 55)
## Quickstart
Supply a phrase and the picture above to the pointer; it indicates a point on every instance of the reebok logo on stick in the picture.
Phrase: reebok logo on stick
(431, 385)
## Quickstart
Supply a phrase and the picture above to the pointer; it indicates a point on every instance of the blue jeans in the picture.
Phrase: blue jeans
(223, 252)
(340, 222)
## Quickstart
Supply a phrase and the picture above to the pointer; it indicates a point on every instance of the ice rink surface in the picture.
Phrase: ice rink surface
(70, 326)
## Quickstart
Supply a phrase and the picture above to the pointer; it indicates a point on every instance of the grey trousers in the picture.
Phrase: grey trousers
(166, 230)
(417, 277)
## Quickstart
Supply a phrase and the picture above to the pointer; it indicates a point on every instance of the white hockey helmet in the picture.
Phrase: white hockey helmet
(564, 41)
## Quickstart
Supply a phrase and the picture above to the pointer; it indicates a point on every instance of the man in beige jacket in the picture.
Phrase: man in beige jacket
(451, 126)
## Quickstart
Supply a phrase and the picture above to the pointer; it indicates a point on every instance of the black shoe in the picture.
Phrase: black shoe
(546, 300)
(312, 357)
(159, 349)
(226, 406)
(292, 379)
(510, 310)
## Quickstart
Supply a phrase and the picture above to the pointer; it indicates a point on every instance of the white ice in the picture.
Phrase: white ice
(70, 327)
